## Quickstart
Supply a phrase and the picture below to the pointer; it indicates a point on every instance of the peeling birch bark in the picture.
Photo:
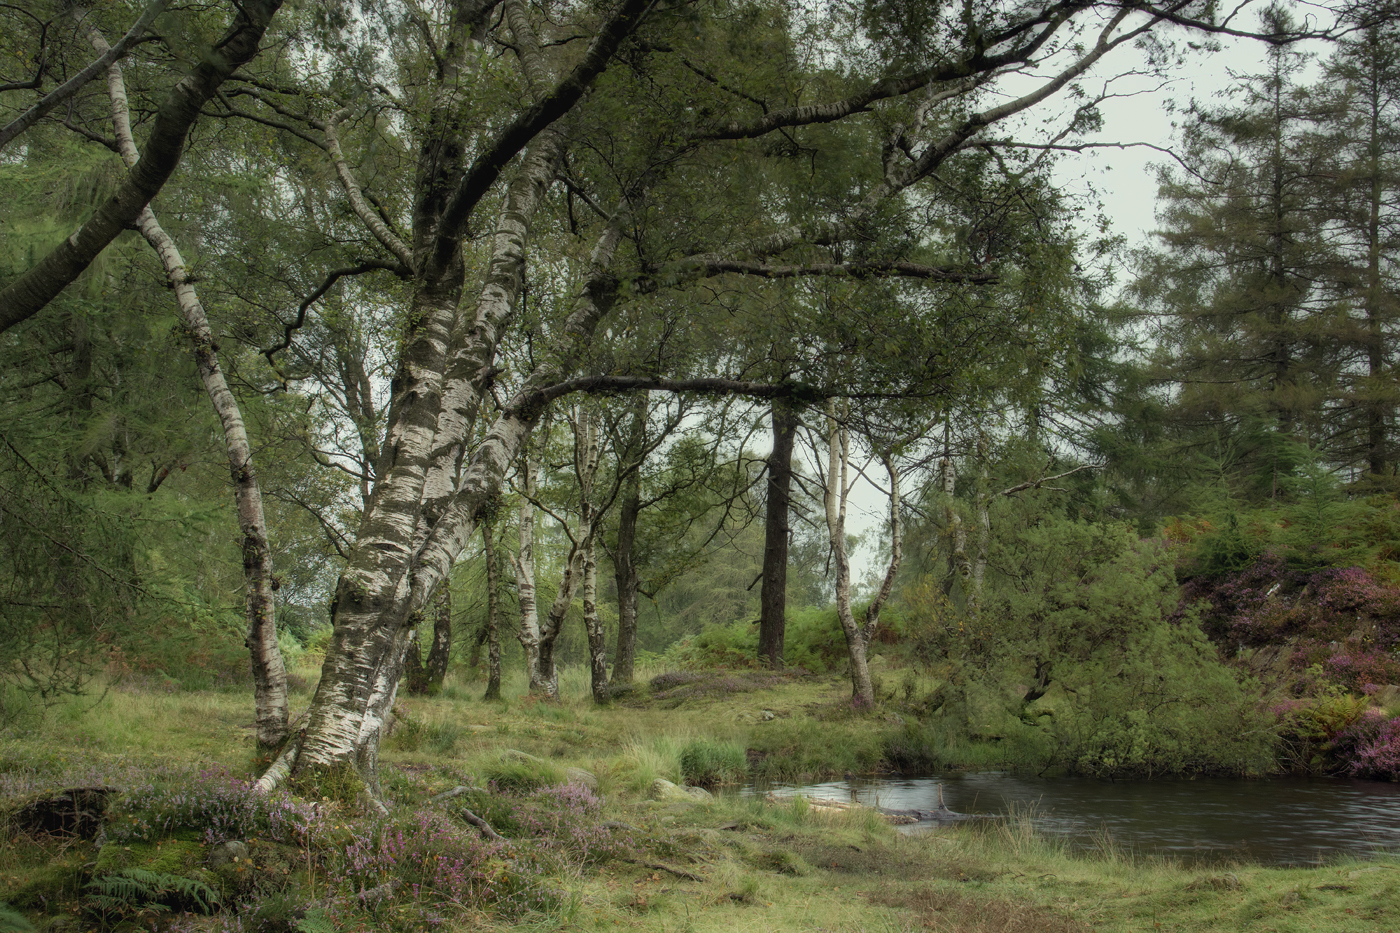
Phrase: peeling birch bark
(260, 607)
(529, 633)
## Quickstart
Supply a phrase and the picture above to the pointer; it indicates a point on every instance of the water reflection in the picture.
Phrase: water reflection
(1273, 820)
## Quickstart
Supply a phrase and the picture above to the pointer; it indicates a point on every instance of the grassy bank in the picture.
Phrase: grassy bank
(579, 859)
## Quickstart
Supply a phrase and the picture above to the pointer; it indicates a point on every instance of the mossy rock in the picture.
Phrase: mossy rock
(667, 792)
(168, 856)
(49, 886)
(520, 773)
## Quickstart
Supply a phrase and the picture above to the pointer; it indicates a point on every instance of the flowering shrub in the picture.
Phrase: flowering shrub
(215, 805)
(1343, 623)
(1370, 747)
(565, 818)
(432, 858)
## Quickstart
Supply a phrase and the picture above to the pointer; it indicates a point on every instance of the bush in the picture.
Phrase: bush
(1161, 703)
(705, 762)
(1370, 747)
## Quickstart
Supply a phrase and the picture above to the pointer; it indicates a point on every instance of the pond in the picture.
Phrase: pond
(1279, 821)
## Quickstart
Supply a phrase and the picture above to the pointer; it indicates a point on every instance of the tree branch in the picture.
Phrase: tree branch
(70, 87)
(29, 293)
(488, 166)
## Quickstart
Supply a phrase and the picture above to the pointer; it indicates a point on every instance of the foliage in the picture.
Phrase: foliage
(12, 921)
(1160, 703)
(1079, 640)
(134, 891)
(211, 804)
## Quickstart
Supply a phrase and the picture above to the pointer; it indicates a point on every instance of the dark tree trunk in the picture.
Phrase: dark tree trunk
(773, 599)
(427, 678)
(625, 575)
(492, 628)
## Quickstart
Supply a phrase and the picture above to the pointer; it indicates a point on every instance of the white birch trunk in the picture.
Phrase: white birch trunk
(524, 565)
(837, 494)
(269, 671)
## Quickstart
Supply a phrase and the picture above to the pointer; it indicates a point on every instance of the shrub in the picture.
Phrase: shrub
(211, 804)
(1162, 702)
(1370, 747)
(705, 762)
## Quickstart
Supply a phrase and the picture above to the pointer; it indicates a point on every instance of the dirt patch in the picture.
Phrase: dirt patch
(876, 859)
(685, 685)
(953, 912)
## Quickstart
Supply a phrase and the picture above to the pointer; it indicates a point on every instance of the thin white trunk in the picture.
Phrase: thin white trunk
(524, 566)
(837, 495)
(269, 671)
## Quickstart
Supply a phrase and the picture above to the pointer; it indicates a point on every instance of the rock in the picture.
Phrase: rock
(768, 715)
(1387, 696)
(582, 776)
(225, 852)
(664, 790)
(515, 754)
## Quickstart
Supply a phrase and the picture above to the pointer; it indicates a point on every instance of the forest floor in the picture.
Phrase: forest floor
(728, 863)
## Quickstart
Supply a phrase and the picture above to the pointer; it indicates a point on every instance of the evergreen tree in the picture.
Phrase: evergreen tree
(1245, 339)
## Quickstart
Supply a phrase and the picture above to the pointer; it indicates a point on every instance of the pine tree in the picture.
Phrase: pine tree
(1244, 336)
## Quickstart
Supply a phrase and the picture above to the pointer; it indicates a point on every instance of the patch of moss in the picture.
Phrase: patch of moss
(168, 856)
(47, 887)
(339, 783)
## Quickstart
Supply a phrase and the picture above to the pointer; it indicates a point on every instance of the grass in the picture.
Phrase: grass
(765, 865)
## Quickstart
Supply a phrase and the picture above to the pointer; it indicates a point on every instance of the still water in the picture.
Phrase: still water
(1272, 820)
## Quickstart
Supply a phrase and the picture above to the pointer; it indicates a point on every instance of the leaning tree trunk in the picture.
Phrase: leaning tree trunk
(269, 671)
(773, 596)
(858, 634)
(597, 642)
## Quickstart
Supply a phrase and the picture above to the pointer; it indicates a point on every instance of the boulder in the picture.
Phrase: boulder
(226, 852)
(664, 790)
(582, 776)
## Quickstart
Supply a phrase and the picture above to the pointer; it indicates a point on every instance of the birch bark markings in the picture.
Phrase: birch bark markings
(269, 671)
